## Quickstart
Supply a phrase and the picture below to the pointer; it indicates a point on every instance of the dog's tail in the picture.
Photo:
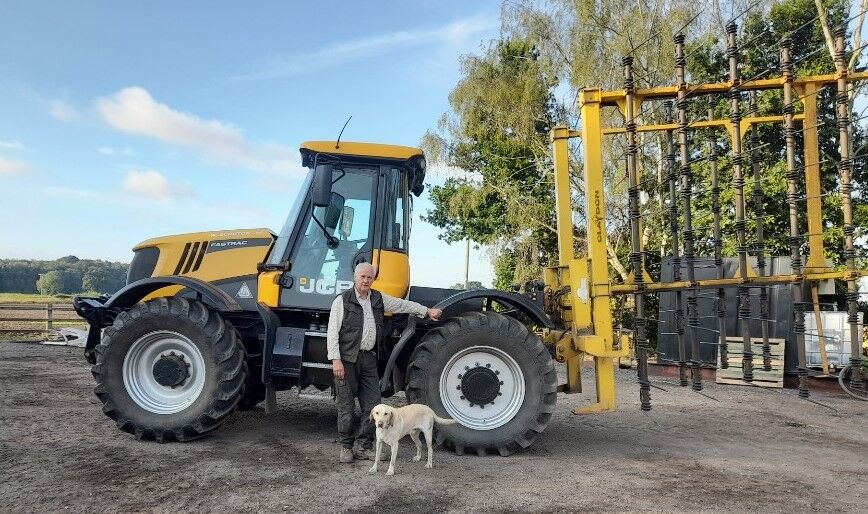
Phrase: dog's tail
(444, 421)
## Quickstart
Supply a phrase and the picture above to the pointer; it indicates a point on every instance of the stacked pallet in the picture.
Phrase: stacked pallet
(733, 373)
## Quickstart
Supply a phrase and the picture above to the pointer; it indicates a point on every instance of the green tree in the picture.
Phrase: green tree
(20, 276)
(497, 132)
(471, 284)
(50, 283)
(95, 279)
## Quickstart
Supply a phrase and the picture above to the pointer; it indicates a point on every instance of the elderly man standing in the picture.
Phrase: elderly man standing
(355, 327)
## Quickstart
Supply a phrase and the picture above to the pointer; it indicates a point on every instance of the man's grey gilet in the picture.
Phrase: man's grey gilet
(350, 338)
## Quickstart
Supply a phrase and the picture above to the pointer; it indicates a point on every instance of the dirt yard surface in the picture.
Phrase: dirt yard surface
(751, 450)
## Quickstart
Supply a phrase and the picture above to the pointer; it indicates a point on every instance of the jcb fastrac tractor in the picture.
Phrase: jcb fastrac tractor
(216, 321)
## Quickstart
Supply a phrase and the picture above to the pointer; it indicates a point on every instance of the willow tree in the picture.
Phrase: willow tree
(497, 133)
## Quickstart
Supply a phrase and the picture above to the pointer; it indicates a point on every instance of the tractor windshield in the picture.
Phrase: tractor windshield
(278, 254)
(337, 236)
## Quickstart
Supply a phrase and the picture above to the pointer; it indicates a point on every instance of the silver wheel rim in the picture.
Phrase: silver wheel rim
(139, 379)
(503, 408)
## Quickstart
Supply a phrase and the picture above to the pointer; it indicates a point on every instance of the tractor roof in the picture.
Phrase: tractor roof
(361, 149)
(413, 158)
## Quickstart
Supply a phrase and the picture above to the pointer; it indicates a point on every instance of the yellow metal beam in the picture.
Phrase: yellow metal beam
(813, 190)
(603, 368)
(728, 282)
(597, 237)
(611, 98)
(746, 122)
(563, 206)
(595, 210)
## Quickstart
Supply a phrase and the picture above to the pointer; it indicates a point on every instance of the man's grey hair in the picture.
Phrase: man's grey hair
(364, 266)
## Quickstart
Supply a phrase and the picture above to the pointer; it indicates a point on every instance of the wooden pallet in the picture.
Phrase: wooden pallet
(733, 373)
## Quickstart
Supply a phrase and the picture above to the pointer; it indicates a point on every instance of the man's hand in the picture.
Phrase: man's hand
(338, 369)
(435, 314)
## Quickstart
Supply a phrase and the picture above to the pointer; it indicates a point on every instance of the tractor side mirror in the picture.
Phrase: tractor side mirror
(322, 185)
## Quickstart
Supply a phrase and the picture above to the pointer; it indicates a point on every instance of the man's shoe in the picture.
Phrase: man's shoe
(346, 455)
(370, 453)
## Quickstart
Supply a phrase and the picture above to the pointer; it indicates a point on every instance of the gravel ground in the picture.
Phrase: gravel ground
(750, 450)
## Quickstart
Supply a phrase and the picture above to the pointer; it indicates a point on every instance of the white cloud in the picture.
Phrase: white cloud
(111, 151)
(455, 33)
(153, 184)
(62, 110)
(9, 167)
(12, 145)
(133, 110)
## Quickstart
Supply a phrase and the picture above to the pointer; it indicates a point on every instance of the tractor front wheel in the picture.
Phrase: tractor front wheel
(170, 369)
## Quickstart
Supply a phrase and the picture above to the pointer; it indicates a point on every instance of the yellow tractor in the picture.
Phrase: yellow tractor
(214, 321)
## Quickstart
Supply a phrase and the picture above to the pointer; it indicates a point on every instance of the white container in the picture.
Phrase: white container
(837, 334)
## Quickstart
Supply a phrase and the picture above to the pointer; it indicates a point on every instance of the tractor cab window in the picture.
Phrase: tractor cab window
(397, 211)
(347, 221)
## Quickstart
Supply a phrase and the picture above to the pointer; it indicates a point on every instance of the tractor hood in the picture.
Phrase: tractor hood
(208, 256)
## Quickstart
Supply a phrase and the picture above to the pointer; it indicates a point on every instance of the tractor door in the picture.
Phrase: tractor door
(322, 266)
(392, 231)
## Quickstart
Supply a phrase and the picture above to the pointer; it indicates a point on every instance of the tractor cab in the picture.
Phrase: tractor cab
(354, 206)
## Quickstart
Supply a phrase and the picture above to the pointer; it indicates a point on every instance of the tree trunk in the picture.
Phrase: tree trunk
(615, 262)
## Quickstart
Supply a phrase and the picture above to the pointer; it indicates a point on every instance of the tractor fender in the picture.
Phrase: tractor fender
(100, 312)
(451, 307)
(211, 295)
(513, 300)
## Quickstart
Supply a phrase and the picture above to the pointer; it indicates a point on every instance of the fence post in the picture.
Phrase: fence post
(49, 317)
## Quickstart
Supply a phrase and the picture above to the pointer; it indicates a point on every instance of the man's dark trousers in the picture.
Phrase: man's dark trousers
(360, 381)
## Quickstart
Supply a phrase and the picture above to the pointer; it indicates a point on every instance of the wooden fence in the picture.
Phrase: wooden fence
(35, 318)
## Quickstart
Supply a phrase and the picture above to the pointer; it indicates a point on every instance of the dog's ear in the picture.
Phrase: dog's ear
(391, 419)
(371, 415)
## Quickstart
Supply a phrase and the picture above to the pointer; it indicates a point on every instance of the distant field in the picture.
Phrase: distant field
(19, 325)
(38, 298)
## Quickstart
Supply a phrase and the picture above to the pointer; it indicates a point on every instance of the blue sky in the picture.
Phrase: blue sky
(122, 121)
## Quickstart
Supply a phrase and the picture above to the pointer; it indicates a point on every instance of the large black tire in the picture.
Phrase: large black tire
(206, 340)
(488, 338)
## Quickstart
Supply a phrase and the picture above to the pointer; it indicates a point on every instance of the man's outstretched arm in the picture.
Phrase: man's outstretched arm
(399, 306)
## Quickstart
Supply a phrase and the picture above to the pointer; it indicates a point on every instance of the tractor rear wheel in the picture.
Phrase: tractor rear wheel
(491, 375)
(169, 369)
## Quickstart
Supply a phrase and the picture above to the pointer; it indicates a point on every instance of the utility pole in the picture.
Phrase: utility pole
(467, 264)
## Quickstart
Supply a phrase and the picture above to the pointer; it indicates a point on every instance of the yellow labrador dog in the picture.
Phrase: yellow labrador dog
(394, 423)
